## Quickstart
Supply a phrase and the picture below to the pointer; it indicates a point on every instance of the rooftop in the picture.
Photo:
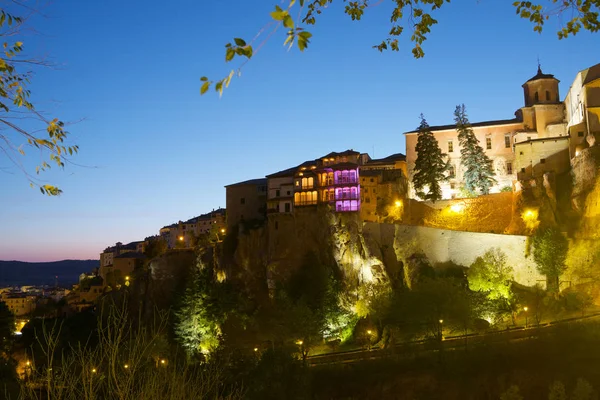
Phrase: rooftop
(255, 182)
(205, 216)
(284, 173)
(349, 152)
(542, 139)
(541, 75)
(388, 159)
(590, 74)
(474, 125)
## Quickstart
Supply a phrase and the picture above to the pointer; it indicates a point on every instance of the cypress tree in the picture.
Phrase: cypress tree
(430, 167)
(478, 172)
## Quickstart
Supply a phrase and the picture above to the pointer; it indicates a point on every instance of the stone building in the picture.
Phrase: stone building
(183, 233)
(246, 201)
(518, 147)
(583, 109)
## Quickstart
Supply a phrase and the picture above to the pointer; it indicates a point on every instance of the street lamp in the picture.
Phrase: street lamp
(181, 238)
(440, 328)
(223, 230)
(525, 309)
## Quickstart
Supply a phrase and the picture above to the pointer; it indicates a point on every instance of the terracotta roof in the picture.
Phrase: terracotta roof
(343, 153)
(388, 159)
(541, 75)
(256, 182)
(474, 125)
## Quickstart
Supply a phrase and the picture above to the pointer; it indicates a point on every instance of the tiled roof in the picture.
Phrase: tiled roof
(590, 74)
(343, 153)
(541, 75)
(284, 173)
(391, 158)
(542, 139)
(474, 125)
(256, 182)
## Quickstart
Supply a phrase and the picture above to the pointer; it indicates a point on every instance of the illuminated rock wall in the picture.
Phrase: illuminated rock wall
(442, 245)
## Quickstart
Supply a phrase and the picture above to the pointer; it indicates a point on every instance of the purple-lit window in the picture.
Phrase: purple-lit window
(352, 176)
(347, 205)
(338, 175)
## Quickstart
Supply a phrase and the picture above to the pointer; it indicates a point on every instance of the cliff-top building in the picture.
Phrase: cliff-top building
(532, 143)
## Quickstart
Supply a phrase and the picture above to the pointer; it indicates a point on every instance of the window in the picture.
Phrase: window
(507, 141)
(520, 153)
(542, 161)
(368, 200)
(287, 207)
(509, 168)
(547, 95)
(528, 137)
(288, 192)
(450, 146)
(537, 97)
(452, 185)
(451, 172)
(277, 193)
(523, 170)
(366, 190)
(580, 134)
(488, 143)
(372, 180)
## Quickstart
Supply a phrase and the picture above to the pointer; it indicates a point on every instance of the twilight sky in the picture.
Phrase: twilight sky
(153, 151)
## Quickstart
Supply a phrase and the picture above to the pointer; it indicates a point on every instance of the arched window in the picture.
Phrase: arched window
(338, 193)
(537, 97)
(330, 178)
(344, 176)
(296, 198)
(353, 193)
(311, 182)
(314, 197)
(547, 95)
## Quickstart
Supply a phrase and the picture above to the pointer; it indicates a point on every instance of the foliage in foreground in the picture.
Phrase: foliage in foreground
(414, 15)
(22, 125)
(130, 361)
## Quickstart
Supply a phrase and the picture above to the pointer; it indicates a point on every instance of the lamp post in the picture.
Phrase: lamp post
(525, 309)
(440, 329)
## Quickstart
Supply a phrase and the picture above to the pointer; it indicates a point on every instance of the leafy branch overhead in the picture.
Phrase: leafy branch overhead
(15, 137)
(414, 15)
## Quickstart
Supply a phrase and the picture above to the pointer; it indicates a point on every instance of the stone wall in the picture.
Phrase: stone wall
(441, 245)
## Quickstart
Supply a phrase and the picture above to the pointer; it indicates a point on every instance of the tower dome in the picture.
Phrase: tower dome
(541, 89)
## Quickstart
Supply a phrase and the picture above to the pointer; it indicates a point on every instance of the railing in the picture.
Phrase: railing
(306, 203)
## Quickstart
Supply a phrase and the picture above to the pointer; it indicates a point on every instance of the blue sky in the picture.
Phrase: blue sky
(154, 151)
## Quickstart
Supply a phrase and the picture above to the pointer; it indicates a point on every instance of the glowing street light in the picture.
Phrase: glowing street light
(127, 278)
(398, 203)
(369, 332)
(256, 349)
(181, 238)
(222, 230)
(162, 362)
(525, 309)
(94, 370)
(441, 321)
(299, 342)
(126, 366)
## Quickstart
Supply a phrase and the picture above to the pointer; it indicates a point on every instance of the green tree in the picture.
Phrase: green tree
(478, 172)
(557, 391)
(430, 167)
(513, 393)
(490, 273)
(23, 126)
(550, 248)
(416, 16)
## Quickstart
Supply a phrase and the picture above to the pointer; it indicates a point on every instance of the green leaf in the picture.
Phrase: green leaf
(229, 54)
(239, 42)
(204, 79)
(204, 87)
(278, 14)
(288, 22)
(305, 35)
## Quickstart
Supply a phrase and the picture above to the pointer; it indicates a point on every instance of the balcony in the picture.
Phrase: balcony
(305, 203)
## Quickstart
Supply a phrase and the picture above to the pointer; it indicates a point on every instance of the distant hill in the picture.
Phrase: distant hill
(19, 273)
